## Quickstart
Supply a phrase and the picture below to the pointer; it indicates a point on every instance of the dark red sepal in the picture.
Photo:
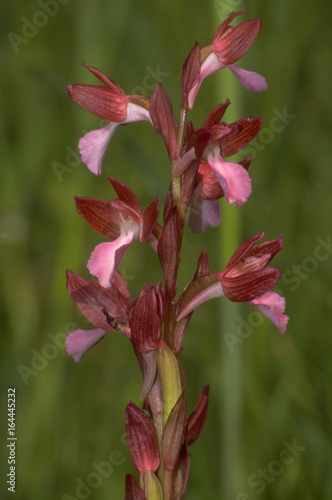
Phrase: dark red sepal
(163, 120)
(172, 437)
(102, 216)
(145, 321)
(91, 298)
(141, 439)
(251, 285)
(236, 41)
(125, 194)
(216, 114)
(168, 250)
(104, 79)
(197, 419)
(149, 219)
(244, 131)
(190, 73)
(133, 489)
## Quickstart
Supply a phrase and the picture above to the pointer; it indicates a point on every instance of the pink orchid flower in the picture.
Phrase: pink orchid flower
(210, 145)
(110, 103)
(121, 221)
(245, 279)
(229, 44)
(205, 205)
(92, 300)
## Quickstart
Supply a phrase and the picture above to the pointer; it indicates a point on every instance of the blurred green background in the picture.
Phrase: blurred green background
(269, 393)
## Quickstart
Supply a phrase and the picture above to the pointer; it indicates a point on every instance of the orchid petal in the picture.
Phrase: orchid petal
(93, 146)
(197, 293)
(186, 159)
(105, 258)
(80, 341)
(136, 113)
(233, 178)
(203, 213)
(249, 79)
(210, 65)
(196, 420)
(272, 305)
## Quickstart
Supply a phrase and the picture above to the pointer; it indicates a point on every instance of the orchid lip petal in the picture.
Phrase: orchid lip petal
(272, 305)
(204, 213)
(233, 178)
(93, 146)
(249, 79)
(79, 341)
(106, 257)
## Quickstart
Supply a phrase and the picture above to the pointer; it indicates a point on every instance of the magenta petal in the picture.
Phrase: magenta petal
(93, 145)
(203, 213)
(272, 306)
(80, 341)
(105, 258)
(249, 79)
(233, 178)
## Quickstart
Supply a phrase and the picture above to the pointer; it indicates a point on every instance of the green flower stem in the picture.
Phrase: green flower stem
(151, 485)
(169, 373)
(176, 184)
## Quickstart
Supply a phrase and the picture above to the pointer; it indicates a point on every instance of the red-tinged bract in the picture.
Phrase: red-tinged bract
(141, 439)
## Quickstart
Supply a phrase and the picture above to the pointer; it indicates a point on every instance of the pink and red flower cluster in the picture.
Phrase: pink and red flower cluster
(202, 172)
